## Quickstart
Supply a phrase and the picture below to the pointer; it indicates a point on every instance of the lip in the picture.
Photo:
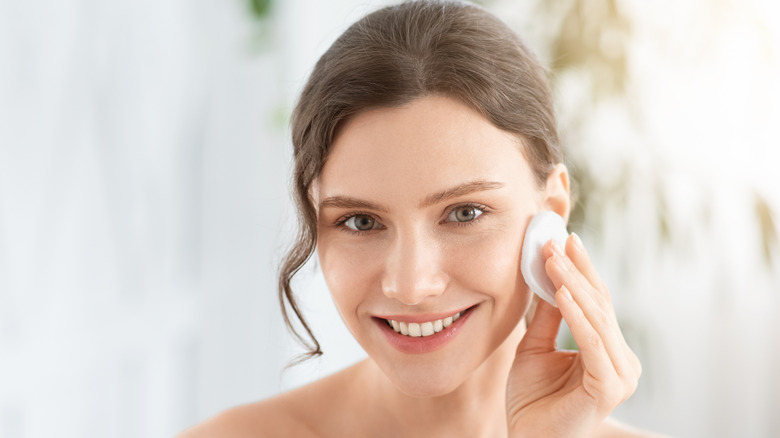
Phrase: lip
(428, 317)
(422, 344)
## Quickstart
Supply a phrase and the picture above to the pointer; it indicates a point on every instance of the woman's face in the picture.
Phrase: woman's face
(421, 215)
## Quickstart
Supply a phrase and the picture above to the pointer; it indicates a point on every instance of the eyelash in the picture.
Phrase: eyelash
(480, 207)
(340, 223)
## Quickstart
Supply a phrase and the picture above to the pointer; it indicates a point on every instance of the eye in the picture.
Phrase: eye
(464, 213)
(361, 222)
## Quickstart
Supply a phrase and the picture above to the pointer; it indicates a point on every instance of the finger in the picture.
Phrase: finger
(566, 270)
(594, 356)
(624, 359)
(576, 252)
(579, 256)
(597, 311)
(543, 329)
(613, 388)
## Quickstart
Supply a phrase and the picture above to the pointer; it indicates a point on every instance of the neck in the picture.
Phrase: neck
(477, 408)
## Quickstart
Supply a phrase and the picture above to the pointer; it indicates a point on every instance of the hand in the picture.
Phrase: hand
(569, 393)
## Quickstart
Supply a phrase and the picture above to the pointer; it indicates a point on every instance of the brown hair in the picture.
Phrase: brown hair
(404, 52)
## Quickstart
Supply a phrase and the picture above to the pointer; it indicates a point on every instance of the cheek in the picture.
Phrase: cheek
(489, 265)
(349, 273)
(491, 268)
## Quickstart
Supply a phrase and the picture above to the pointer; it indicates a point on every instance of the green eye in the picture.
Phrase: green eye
(361, 222)
(464, 213)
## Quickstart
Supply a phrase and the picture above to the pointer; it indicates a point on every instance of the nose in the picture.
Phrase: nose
(413, 270)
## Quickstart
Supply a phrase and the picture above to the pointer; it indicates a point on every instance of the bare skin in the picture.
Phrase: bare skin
(324, 409)
(422, 211)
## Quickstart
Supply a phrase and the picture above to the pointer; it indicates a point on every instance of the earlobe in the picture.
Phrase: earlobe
(557, 195)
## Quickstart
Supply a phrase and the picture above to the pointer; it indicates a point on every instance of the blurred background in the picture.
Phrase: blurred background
(144, 207)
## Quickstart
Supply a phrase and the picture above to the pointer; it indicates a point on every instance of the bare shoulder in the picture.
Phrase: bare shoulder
(612, 428)
(269, 418)
(297, 413)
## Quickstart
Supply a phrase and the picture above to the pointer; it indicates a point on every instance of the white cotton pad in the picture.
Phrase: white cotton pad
(544, 226)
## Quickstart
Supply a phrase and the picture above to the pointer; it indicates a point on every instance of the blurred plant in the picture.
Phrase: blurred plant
(592, 38)
(592, 41)
(260, 9)
(768, 229)
(590, 44)
(261, 12)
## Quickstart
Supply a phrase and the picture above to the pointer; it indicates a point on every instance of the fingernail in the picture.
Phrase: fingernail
(566, 294)
(557, 248)
(578, 241)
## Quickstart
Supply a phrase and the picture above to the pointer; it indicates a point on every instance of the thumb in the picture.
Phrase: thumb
(542, 330)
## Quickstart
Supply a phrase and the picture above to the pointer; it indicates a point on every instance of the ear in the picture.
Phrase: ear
(557, 196)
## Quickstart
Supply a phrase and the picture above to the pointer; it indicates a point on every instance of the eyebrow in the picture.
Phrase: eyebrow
(460, 190)
(348, 202)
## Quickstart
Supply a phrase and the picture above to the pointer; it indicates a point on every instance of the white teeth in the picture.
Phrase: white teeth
(417, 330)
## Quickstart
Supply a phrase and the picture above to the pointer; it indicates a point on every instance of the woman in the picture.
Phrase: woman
(425, 141)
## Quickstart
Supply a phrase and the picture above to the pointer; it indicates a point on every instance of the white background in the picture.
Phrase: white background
(144, 161)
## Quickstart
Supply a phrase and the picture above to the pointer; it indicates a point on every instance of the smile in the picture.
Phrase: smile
(416, 330)
(416, 334)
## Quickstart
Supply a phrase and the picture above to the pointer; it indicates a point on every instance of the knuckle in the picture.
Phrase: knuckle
(604, 319)
(630, 385)
(631, 382)
(637, 365)
(594, 340)
(612, 394)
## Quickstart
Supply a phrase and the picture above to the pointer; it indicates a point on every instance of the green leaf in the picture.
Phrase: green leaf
(260, 9)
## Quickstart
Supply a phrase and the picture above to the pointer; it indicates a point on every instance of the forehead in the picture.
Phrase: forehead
(425, 145)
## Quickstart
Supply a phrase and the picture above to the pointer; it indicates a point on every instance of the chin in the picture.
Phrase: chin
(428, 379)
